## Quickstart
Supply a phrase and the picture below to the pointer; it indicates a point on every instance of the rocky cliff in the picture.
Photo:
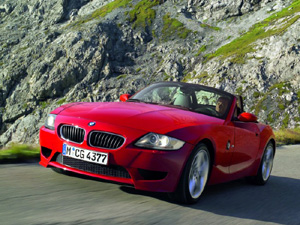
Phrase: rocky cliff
(54, 52)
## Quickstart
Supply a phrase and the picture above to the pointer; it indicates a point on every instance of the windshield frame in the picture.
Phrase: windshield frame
(184, 86)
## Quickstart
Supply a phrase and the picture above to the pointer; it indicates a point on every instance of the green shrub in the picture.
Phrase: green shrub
(281, 106)
(287, 136)
(256, 94)
(19, 152)
(142, 15)
(43, 104)
(174, 27)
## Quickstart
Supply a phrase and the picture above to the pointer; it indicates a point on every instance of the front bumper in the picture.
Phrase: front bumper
(149, 170)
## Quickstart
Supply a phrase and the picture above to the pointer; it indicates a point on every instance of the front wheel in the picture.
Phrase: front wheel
(194, 177)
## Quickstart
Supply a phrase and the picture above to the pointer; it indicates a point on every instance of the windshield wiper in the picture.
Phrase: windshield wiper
(134, 100)
(156, 103)
(138, 100)
(180, 107)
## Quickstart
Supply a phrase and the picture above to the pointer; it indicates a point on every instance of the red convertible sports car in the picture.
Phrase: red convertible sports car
(169, 137)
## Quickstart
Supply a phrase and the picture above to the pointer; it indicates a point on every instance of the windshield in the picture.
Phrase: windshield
(191, 97)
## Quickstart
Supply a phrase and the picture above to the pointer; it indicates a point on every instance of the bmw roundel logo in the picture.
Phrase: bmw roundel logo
(92, 124)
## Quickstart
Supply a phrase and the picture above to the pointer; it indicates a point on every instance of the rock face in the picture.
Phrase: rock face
(55, 52)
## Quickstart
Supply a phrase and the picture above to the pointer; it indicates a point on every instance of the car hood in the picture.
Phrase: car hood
(142, 116)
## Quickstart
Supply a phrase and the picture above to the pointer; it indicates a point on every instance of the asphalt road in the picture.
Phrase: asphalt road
(31, 194)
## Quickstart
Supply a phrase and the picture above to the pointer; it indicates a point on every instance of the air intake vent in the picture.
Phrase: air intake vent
(71, 133)
(113, 171)
(106, 140)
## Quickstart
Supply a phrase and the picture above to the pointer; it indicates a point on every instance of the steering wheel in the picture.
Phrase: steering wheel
(212, 111)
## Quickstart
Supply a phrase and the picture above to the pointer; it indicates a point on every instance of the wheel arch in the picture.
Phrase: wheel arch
(263, 145)
(266, 136)
(210, 145)
(274, 144)
(211, 149)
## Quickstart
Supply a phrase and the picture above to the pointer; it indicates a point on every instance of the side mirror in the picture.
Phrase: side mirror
(125, 97)
(247, 117)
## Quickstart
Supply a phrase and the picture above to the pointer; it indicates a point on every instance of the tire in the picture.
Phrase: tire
(266, 165)
(194, 177)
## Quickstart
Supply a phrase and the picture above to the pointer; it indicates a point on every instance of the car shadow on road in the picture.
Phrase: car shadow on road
(278, 201)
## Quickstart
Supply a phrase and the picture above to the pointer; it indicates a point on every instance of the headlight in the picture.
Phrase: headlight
(160, 142)
(50, 121)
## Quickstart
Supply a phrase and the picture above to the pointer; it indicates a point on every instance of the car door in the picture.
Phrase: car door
(246, 144)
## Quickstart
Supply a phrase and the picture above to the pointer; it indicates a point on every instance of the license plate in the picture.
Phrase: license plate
(84, 154)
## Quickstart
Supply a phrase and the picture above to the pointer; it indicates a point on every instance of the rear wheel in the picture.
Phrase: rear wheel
(194, 177)
(266, 166)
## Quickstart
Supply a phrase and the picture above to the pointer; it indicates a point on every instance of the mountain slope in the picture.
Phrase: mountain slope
(62, 51)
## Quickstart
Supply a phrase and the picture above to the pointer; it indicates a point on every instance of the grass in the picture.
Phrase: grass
(187, 77)
(102, 12)
(239, 90)
(19, 153)
(204, 25)
(238, 48)
(174, 27)
(61, 101)
(202, 49)
(283, 87)
(285, 121)
(203, 75)
(166, 77)
(25, 105)
(44, 104)
(287, 136)
(298, 95)
(260, 103)
(122, 76)
(270, 118)
(142, 15)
